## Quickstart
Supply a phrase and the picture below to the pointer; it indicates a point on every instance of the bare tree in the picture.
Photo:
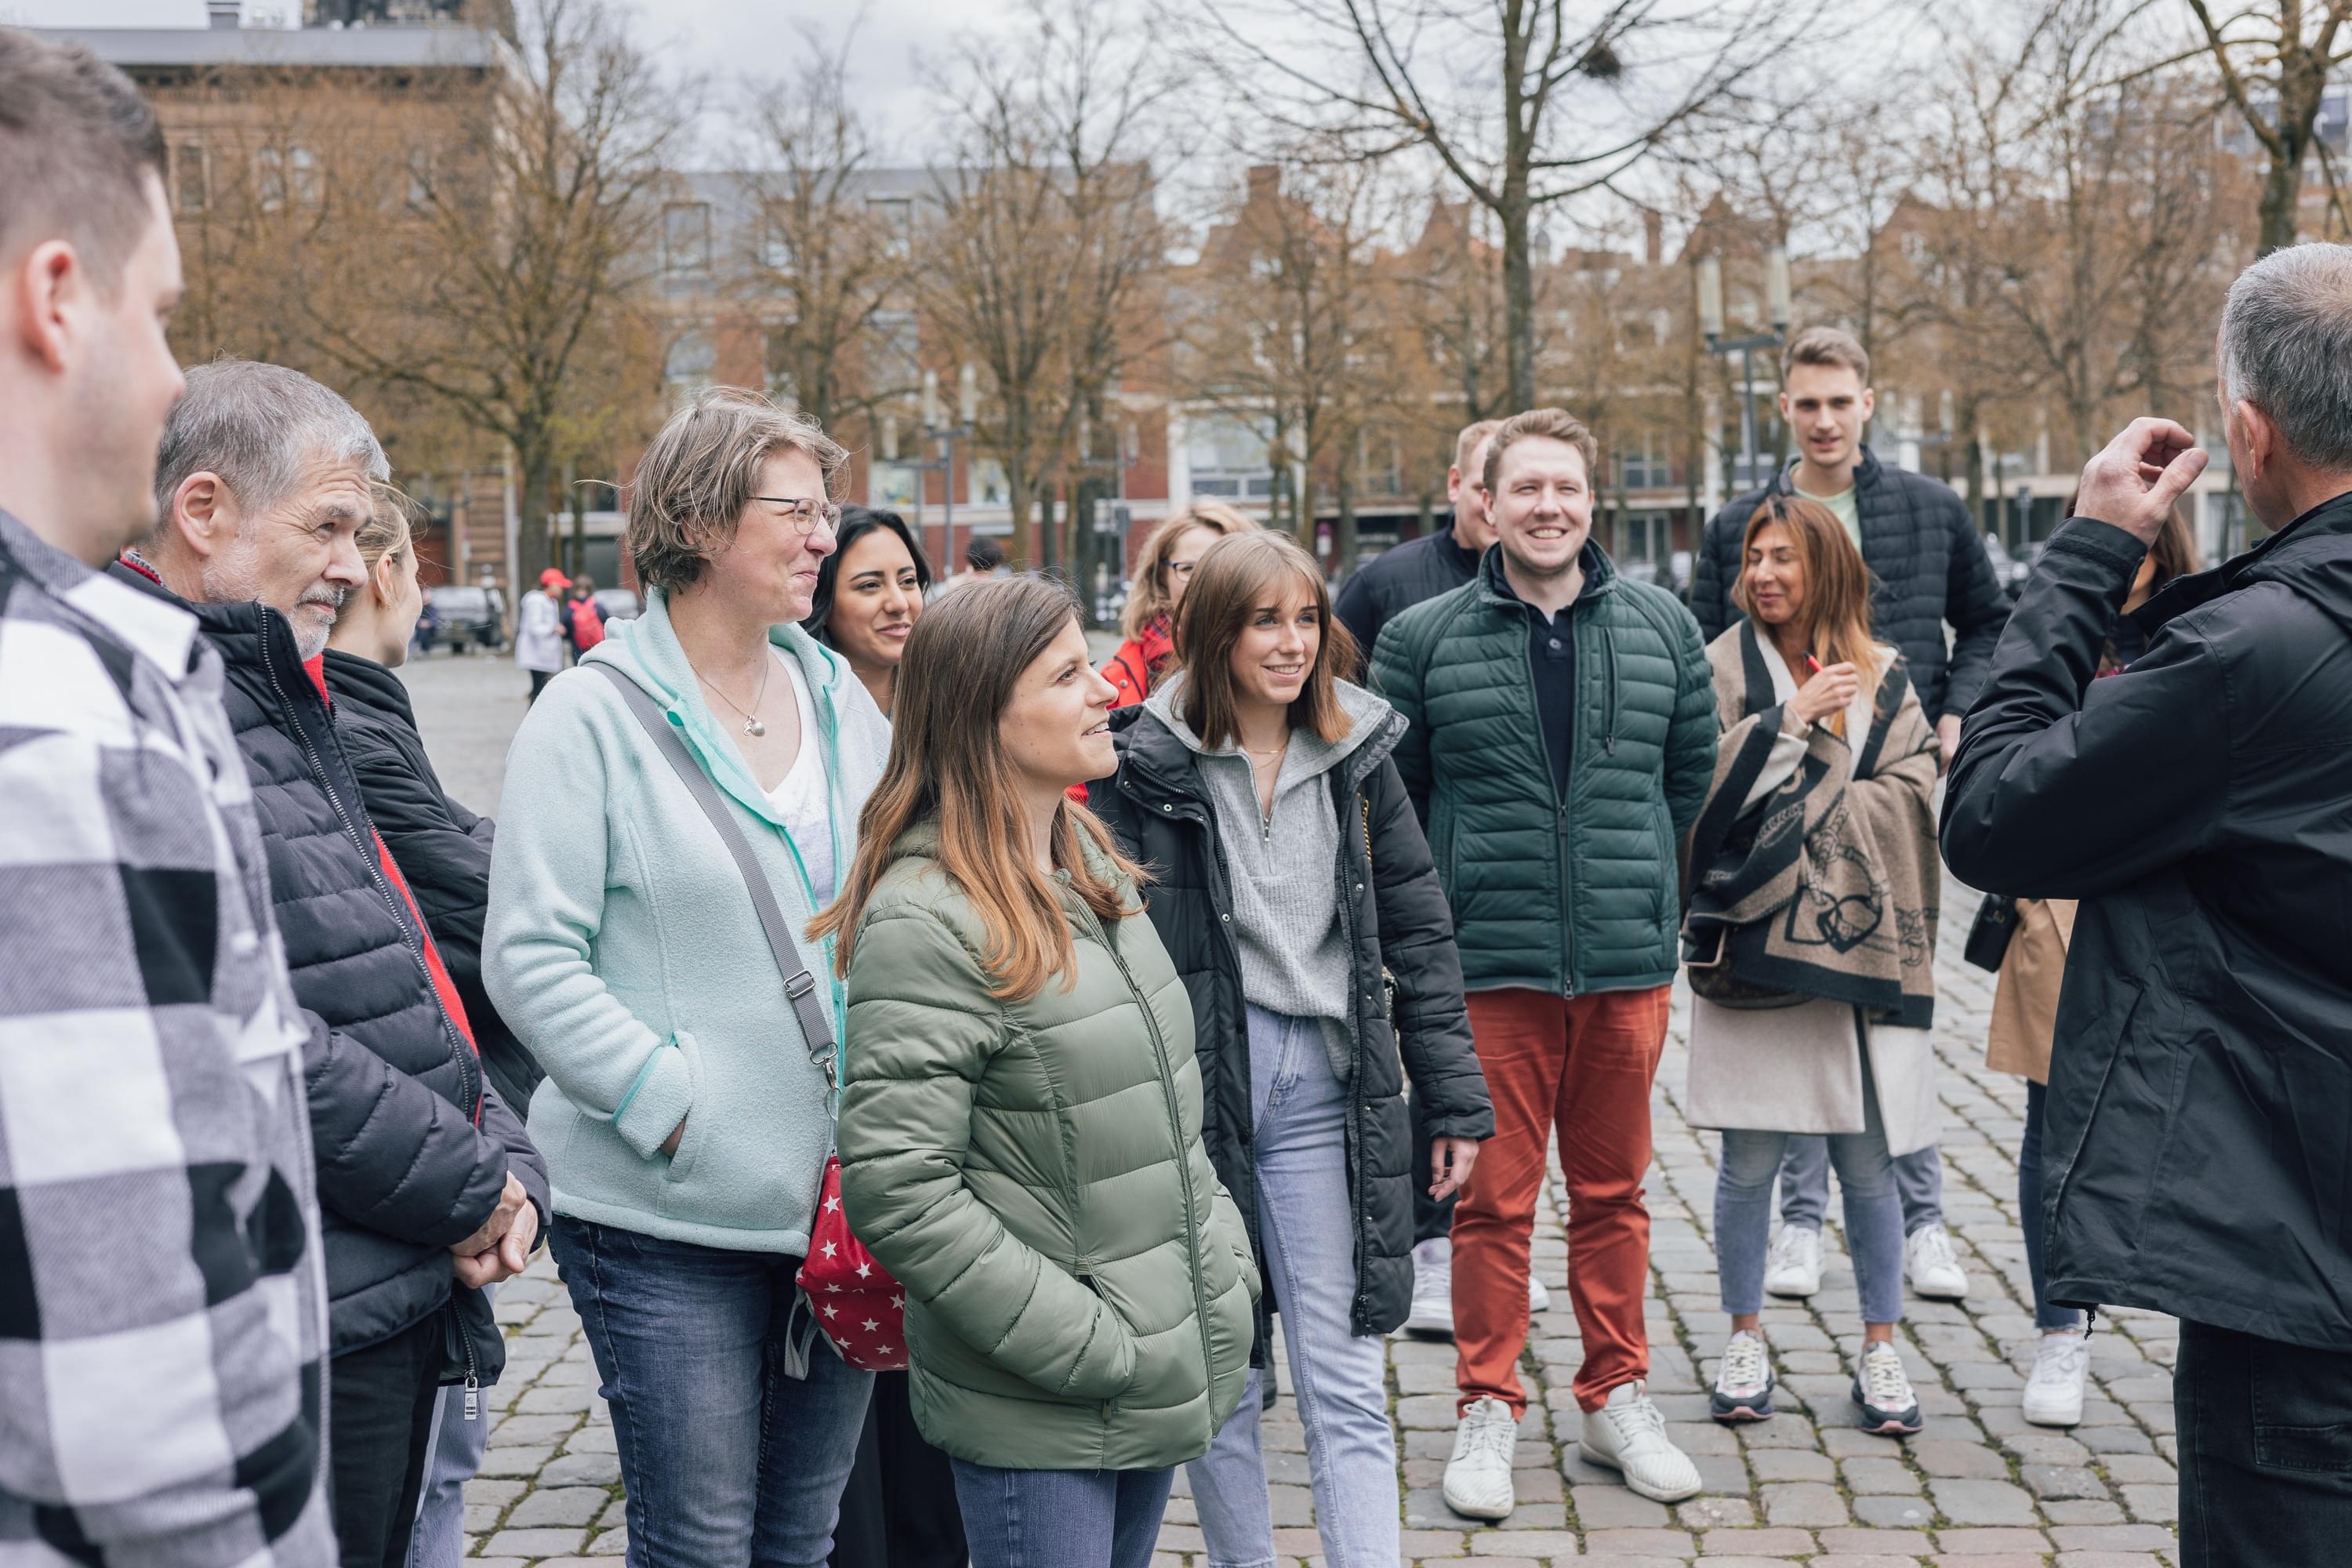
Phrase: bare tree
(527, 249)
(1526, 105)
(2276, 59)
(821, 262)
(1041, 242)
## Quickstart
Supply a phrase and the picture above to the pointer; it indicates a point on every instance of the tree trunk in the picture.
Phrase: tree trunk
(2282, 195)
(534, 549)
(1519, 296)
(1343, 531)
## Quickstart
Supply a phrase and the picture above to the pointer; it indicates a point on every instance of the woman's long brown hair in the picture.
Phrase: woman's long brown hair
(1836, 607)
(1235, 576)
(948, 764)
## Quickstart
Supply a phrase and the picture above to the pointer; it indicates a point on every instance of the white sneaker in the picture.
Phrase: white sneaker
(2053, 1392)
(1538, 1299)
(1478, 1477)
(1433, 1289)
(1934, 1266)
(1628, 1435)
(1792, 1265)
(1743, 1386)
(1883, 1389)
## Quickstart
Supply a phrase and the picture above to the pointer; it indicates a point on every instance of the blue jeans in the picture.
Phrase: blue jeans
(1805, 1185)
(2029, 1213)
(1873, 1213)
(729, 1460)
(1061, 1519)
(1306, 1227)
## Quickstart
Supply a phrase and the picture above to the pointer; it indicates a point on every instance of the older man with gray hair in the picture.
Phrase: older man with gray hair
(430, 1187)
(2200, 804)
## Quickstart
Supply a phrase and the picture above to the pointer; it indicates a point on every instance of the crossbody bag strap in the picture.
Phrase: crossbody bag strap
(800, 984)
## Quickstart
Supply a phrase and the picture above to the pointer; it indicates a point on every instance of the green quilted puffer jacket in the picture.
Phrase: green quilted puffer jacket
(1571, 895)
(1079, 1289)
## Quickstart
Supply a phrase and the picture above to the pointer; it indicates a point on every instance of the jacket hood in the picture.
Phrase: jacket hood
(1373, 728)
(646, 649)
(241, 630)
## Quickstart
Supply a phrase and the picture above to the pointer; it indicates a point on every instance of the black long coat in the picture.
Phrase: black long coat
(440, 846)
(2197, 1157)
(1159, 807)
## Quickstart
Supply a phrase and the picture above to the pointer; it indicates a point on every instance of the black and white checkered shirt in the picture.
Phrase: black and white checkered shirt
(163, 1301)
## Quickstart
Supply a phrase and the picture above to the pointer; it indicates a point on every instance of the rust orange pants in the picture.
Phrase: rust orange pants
(1585, 1065)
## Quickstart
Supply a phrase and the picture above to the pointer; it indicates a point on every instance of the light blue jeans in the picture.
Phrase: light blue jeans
(1060, 1519)
(1308, 1229)
(1805, 1185)
(1874, 1212)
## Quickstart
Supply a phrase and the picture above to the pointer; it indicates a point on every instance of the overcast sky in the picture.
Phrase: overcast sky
(721, 40)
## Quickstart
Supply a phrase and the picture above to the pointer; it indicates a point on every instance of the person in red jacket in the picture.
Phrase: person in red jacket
(585, 621)
(1165, 567)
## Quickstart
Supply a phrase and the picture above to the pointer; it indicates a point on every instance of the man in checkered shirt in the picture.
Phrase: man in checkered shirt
(163, 1303)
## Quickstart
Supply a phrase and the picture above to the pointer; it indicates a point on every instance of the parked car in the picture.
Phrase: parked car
(2009, 571)
(617, 604)
(470, 617)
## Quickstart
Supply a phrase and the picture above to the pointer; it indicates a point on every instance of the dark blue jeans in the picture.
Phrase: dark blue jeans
(1061, 1519)
(729, 1460)
(2265, 1434)
(2029, 1213)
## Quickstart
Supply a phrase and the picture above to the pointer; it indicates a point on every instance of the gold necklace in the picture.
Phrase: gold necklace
(752, 725)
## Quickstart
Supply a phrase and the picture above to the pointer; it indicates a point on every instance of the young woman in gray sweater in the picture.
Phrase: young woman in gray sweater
(1289, 872)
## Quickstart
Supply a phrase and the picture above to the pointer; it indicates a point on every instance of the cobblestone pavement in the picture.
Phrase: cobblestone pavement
(1979, 1488)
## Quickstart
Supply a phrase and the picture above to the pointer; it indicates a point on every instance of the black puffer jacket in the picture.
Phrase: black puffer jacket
(443, 849)
(1396, 580)
(1927, 561)
(2197, 1157)
(1159, 809)
(413, 1146)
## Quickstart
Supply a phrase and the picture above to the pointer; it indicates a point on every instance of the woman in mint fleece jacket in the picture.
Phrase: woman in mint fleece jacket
(685, 1127)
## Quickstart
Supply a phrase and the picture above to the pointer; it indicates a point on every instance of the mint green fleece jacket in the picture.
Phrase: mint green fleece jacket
(622, 947)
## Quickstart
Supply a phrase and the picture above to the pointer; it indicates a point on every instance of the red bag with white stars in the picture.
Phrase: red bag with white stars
(860, 1307)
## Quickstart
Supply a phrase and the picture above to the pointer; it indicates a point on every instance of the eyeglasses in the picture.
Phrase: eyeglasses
(804, 514)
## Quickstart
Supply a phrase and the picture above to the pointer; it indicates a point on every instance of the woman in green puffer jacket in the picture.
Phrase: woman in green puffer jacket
(1020, 1129)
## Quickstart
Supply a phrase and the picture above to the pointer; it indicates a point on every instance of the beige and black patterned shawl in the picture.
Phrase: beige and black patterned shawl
(1828, 888)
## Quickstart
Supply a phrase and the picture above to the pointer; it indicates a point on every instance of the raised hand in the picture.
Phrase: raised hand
(2133, 479)
(1828, 691)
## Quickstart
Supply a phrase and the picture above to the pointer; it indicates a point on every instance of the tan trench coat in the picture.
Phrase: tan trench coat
(2025, 997)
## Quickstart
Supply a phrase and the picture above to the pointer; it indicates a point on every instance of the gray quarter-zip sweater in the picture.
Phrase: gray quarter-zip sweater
(1292, 942)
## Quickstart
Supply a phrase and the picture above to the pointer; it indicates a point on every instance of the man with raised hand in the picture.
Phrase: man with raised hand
(2200, 805)
(1560, 740)
(162, 1304)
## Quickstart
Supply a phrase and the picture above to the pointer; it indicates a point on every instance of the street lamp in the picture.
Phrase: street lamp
(946, 436)
(1711, 328)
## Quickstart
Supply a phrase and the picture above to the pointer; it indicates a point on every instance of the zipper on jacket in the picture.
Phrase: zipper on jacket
(1565, 788)
(1176, 1138)
(469, 1071)
(473, 1377)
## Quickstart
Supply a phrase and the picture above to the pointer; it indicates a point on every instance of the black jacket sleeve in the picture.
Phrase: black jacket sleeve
(1417, 945)
(1975, 607)
(2067, 785)
(1712, 578)
(442, 850)
(1361, 609)
(523, 1157)
(393, 1155)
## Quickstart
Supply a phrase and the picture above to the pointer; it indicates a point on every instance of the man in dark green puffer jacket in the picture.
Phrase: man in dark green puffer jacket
(1561, 738)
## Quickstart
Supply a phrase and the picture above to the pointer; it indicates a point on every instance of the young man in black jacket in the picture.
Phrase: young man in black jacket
(426, 1177)
(2201, 1090)
(1391, 584)
(1929, 564)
